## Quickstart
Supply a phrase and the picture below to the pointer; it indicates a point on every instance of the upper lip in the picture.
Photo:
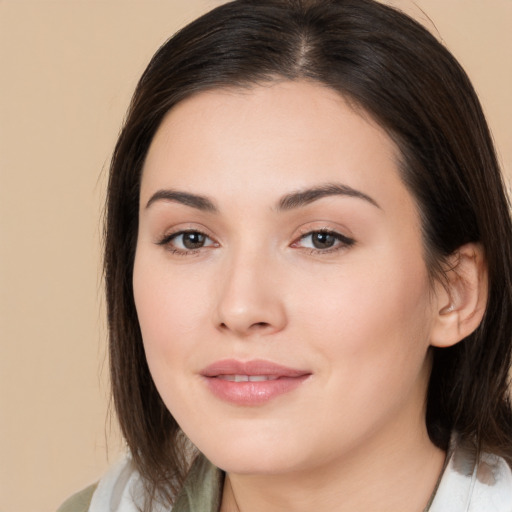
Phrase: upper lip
(254, 367)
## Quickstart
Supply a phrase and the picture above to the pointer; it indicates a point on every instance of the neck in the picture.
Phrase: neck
(389, 477)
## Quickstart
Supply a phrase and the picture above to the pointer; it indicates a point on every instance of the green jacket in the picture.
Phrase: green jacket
(80, 501)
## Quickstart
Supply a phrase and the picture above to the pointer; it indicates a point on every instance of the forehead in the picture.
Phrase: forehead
(270, 138)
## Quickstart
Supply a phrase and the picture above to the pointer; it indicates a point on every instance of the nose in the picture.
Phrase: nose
(250, 297)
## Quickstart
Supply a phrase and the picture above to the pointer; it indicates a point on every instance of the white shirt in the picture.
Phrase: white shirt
(465, 486)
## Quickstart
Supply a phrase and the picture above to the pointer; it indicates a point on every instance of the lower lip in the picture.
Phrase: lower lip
(252, 393)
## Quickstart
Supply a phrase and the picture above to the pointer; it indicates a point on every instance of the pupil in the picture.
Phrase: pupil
(323, 240)
(193, 240)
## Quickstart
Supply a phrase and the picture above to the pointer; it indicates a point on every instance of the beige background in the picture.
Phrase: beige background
(67, 71)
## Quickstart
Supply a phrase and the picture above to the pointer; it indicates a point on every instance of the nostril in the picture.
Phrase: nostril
(260, 324)
(252, 327)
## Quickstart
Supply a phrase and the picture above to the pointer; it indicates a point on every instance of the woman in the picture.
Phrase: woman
(308, 269)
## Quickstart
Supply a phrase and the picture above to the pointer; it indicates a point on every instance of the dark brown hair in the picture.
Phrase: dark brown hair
(389, 66)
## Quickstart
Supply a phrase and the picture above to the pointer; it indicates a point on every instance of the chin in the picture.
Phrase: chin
(255, 454)
(252, 463)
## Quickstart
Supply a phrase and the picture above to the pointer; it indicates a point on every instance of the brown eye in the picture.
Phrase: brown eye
(192, 240)
(324, 241)
(184, 242)
(321, 240)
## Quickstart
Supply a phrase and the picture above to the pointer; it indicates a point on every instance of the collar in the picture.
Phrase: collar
(468, 484)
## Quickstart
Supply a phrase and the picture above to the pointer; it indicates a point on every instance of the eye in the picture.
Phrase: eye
(323, 240)
(185, 242)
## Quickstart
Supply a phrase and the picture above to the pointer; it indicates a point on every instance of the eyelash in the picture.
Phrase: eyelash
(343, 242)
(167, 242)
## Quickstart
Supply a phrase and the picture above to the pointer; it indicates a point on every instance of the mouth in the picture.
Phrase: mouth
(253, 382)
(247, 378)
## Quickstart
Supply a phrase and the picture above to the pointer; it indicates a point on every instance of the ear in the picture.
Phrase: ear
(460, 300)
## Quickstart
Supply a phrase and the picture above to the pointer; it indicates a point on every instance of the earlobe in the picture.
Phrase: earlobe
(460, 300)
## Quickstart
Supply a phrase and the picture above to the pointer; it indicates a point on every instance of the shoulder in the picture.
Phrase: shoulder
(492, 485)
(80, 501)
(119, 490)
(474, 485)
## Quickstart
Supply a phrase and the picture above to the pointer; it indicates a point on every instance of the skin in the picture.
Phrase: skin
(359, 317)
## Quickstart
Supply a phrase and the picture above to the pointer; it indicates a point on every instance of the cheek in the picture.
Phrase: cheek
(373, 329)
(375, 314)
(170, 307)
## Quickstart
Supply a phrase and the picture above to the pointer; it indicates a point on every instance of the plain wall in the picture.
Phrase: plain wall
(67, 71)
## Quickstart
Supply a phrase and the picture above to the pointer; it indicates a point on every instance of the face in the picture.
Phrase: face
(279, 279)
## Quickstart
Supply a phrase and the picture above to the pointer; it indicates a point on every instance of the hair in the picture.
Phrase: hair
(390, 67)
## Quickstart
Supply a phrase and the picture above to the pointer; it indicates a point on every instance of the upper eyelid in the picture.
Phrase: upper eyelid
(168, 234)
(303, 231)
(167, 242)
(307, 229)
(342, 237)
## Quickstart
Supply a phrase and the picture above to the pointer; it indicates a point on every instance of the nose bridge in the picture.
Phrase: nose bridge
(249, 300)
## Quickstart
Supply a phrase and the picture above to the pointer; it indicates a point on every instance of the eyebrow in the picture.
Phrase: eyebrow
(287, 202)
(202, 203)
(307, 196)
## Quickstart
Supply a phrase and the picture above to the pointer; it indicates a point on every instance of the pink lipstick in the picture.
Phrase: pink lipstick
(251, 383)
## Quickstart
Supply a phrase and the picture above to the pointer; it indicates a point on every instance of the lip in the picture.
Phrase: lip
(281, 380)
